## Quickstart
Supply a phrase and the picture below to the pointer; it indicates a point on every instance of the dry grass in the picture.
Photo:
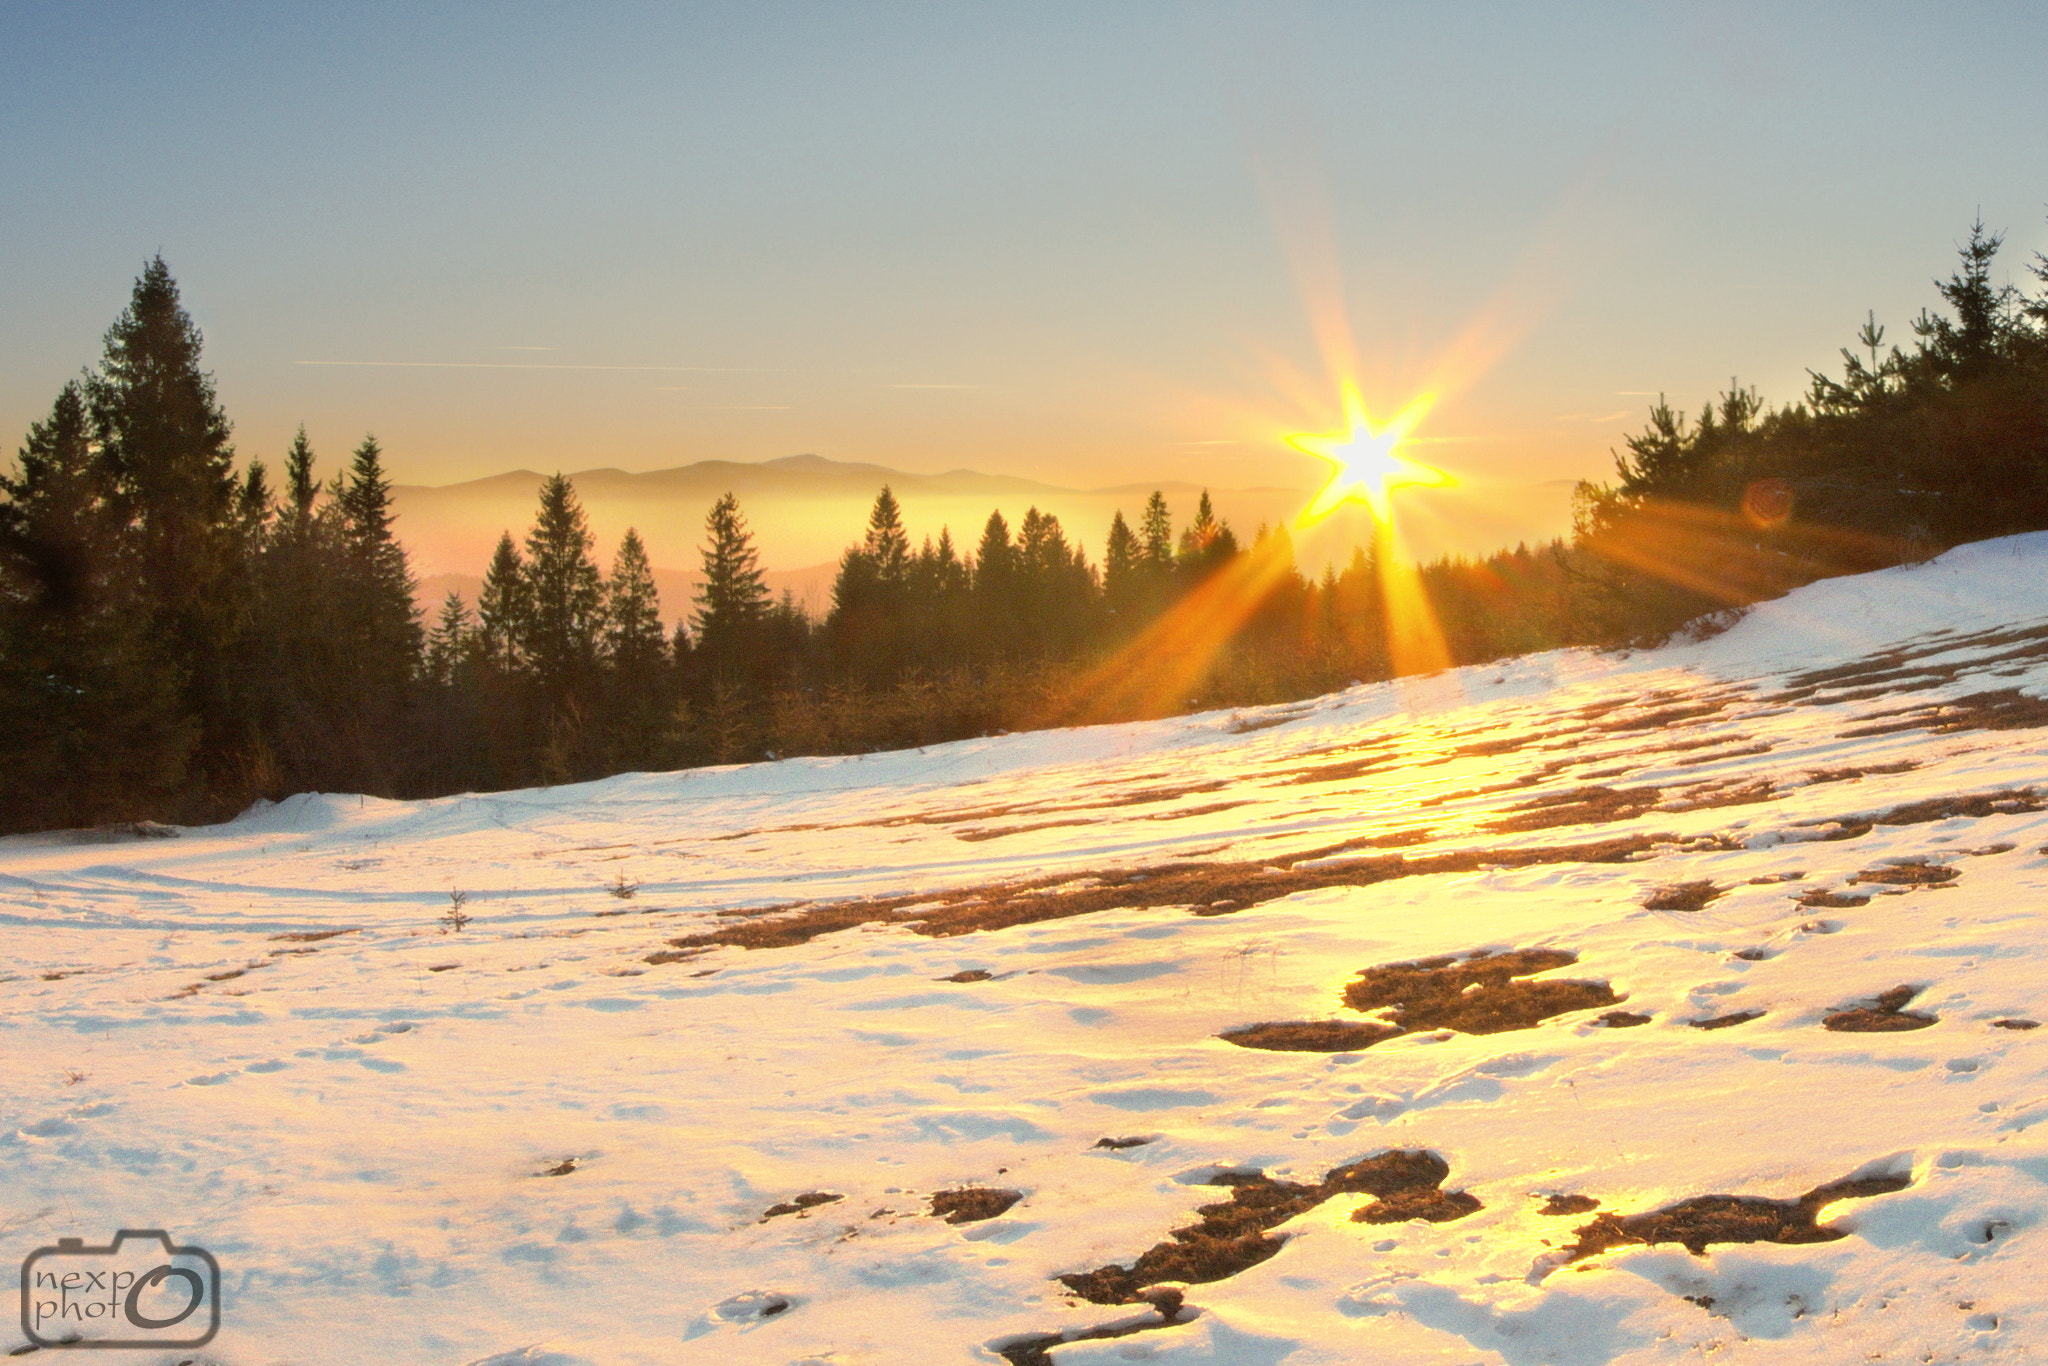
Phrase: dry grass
(994, 906)
(1887, 1015)
(1728, 1021)
(1232, 1234)
(1709, 1219)
(1578, 806)
(1683, 896)
(972, 1204)
(1311, 1036)
(1908, 874)
(1480, 993)
(808, 1201)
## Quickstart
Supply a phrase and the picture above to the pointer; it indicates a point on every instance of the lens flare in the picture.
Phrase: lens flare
(1366, 463)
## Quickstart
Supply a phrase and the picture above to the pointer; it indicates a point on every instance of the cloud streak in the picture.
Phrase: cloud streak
(536, 365)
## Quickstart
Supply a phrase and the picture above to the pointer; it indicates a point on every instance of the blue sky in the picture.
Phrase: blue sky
(1080, 242)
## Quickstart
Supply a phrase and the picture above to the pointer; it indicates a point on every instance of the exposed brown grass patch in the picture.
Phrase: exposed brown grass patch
(1481, 993)
(1663, 716)
(1623, 1019)
(1232, 1234)
(974, 836)
(1707, 1219)
(1849, 773)
(312, 936)
(1996, 709)
(1731, 792)
(995, 906)
(1578, 806)
(798, 1205)
(968, 975)
(1728, 1021)
(1821, 897)
(1886, 1015)
(1030, 1350)
(1311, 1036)
(2015, 1024)
(972, 1204)
(1684, 896)
(1558, 1205)
(1915, 874)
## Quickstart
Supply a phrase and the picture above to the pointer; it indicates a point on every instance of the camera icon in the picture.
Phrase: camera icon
(141, 1290)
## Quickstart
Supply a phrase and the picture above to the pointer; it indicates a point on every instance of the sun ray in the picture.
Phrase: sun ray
(1366, 464)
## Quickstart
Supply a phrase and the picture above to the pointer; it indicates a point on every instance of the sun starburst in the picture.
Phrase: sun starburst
(1366, 461)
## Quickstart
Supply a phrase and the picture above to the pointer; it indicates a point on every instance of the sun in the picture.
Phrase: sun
(1366, 461)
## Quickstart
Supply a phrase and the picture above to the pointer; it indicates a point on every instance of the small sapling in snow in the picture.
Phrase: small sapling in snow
(455, 917)
(621, 888)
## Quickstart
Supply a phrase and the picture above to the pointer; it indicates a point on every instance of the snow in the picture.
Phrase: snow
(357, 1126)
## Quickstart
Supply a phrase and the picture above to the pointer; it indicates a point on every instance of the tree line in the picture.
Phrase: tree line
(178, 637)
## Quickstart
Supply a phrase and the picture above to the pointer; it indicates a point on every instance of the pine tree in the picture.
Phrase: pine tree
(301, 488)
(384, 582)
(633, 638)
(732, 600)
(887, 544)
(94, 728)
(503, 606)
(163, 442)
(636, 659)
(1156, 533)
(448, 641)
(565, 606)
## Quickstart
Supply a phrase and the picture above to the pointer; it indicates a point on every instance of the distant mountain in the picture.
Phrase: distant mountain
(805, 510)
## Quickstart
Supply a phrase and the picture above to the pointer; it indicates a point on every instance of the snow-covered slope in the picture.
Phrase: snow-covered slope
(551, 1135)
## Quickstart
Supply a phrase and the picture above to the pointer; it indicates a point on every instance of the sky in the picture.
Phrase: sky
(1088, 244)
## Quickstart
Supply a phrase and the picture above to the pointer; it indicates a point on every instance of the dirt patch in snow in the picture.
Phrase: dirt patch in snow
(1839, 901)
(1578, 806)
(1997, 709)
(807, 1201)
(1311, 1036)
(972, 1204)
(1728, 1021)
(1167, 1310)
(1886, 1015)
(1558, 1205)
(1683, 896)
(1914, 874)
(1479, 993)
(1232, 1234)
(997, 906)
(1850, 773)
(1707, 1219)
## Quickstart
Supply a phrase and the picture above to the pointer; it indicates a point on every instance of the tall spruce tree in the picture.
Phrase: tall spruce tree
(638, 691)
(381, 580)
(172, 491)
(1121, 567)
(94, 728)
(503, 606)
(732, 601)
(565, 612)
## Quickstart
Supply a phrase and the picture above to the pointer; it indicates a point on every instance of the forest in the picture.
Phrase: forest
(182, 635)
